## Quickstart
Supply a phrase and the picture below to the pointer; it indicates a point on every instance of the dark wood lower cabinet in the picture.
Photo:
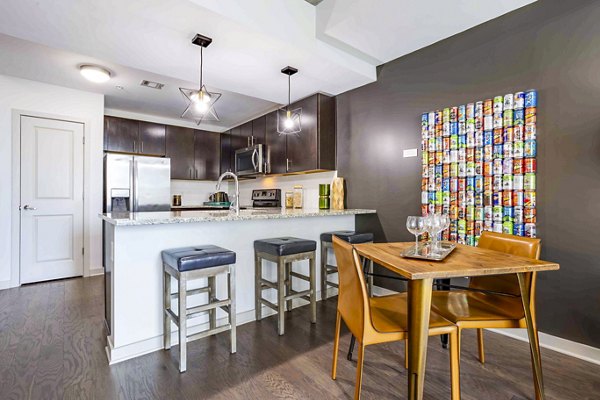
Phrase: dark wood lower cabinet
(180, 149)
(206, 154)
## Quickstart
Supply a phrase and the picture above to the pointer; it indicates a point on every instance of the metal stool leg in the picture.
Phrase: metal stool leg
(232, 311)
(212, 295)
(182, 323)
(323, 271)
(281, 297)
(288, 285)
(167, 306)
(313, 289)
(257, 287)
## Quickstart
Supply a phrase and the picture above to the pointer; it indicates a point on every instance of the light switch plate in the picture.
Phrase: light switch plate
(409, 153)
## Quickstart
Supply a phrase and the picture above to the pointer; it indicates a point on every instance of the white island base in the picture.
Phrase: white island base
(134, 268)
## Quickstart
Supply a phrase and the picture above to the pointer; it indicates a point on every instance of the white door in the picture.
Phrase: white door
(51, 199)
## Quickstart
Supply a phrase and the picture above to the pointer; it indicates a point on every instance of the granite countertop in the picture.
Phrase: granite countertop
(178, 217)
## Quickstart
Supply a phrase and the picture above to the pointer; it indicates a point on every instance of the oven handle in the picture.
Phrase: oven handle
(255, 163)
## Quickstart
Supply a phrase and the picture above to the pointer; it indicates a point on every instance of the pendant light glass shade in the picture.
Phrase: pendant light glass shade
(200, 101)
(289, 121)
(200, 105)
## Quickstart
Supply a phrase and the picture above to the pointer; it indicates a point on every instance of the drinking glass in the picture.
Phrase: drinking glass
(433, 225)
(416, 226)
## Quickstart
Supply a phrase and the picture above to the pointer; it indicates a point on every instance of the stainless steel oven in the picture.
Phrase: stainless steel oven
(251, 160)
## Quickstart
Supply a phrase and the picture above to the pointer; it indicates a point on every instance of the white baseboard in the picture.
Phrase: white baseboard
(96, 271)
(5, 284)
(564, 346)
(560, 345)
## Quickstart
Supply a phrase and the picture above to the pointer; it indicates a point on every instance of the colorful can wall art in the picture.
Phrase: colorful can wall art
(479, 166)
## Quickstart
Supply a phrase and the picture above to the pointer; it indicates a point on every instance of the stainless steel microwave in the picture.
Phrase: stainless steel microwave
(251, 160)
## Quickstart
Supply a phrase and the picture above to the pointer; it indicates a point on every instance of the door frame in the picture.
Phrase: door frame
(15, 270)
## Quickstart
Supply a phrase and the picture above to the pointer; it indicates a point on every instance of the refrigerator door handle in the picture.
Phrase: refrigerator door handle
(135, 184)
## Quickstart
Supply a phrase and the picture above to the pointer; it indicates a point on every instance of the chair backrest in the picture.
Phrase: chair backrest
(353, 301)
(516, 245)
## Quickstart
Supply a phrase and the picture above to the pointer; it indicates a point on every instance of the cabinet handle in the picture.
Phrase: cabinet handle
(190, 173)
(248, 141)
(142, 146)
(134, 146)
(287, 164)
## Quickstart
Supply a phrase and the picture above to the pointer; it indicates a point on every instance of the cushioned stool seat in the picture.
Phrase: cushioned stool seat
(351, 237)
(197, 257)
(284, 246)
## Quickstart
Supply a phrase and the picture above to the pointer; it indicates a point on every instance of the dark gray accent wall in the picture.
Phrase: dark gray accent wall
(552, 46)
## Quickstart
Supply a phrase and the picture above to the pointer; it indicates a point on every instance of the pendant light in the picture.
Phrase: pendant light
(288, 120)
(200, 102)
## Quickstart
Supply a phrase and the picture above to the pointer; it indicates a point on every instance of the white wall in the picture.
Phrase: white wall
(40, 98)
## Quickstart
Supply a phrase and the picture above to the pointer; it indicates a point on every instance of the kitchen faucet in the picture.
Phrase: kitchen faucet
(235, 206)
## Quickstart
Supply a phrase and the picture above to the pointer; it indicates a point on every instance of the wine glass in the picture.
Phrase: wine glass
(416, 226)
(445, 222)
(433, 225)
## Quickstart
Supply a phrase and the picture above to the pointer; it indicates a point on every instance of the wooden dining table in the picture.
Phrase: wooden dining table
(464, 261)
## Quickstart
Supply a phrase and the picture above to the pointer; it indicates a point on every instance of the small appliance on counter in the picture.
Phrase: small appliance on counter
(266, 198)
(219, 197)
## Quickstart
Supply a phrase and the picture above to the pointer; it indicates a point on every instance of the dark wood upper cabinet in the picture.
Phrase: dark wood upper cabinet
(237, 142)
(314, 147)
(259, 130)
(302, 148)
(206, 154)
(120, 134)
(246, 132)
(226, 153)
(180, 148)
(152, 139)
(276, 145)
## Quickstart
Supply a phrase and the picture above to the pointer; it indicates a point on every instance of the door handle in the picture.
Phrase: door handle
(28, 207)
(255, 163)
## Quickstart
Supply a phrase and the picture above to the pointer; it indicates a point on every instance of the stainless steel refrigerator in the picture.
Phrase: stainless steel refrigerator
(136, 183)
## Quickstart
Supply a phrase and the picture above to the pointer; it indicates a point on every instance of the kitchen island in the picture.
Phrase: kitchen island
(133, 264)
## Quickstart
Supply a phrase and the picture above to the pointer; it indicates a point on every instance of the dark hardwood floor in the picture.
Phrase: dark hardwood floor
(52, 347)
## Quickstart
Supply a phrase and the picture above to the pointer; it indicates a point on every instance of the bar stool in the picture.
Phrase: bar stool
(188, 263)
(351, 237)
(284, 251)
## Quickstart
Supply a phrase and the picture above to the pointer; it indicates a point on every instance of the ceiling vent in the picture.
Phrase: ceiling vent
(152, 85)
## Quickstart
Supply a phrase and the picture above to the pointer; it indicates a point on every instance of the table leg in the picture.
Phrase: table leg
(419, 309)
(534, 345)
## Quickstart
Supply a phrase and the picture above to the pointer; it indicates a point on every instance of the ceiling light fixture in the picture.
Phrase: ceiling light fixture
(289, 121)
(94, 73)
(201, 102)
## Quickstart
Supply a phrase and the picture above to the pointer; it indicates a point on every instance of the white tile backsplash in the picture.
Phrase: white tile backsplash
(194, 193)
(310, 182)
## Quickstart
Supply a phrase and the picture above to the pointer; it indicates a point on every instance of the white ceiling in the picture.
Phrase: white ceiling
(336, 45)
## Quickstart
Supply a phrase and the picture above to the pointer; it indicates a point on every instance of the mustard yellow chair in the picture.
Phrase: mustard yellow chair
(375, 320)
(488, 309)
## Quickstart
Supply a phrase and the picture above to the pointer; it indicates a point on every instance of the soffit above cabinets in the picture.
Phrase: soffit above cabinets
(336, 45)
